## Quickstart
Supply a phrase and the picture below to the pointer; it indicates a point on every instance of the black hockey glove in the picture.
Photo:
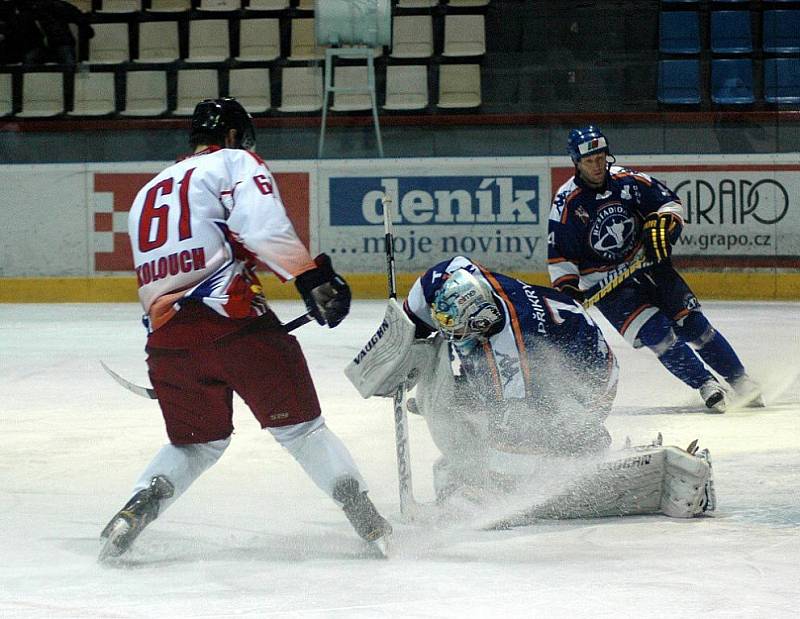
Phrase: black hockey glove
(660, 231)
(572, 291)
(325, 292)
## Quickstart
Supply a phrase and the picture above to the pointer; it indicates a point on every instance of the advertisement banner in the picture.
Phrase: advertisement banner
(743, 211)
(492, 210)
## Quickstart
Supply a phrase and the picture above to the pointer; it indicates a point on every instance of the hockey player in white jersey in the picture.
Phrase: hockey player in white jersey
(197, 230)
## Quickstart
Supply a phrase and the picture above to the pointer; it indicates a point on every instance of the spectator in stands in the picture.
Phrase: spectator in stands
(10, 39)
(43, 31)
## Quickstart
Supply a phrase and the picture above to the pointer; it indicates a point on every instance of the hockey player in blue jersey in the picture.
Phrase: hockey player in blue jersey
(536, 375)
(600, 221)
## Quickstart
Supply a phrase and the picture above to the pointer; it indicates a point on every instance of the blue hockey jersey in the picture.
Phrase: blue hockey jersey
(592, 233)
(548, 345)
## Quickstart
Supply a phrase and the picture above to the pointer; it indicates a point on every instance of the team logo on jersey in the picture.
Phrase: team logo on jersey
(508, 366)
(625, 194)
(614, 232)
(581, 214)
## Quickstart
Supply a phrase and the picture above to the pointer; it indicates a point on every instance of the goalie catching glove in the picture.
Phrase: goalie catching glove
(659, 233)
(325, 292)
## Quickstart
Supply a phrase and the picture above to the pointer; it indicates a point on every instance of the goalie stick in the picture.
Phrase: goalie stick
(407, 503)
(603, 288)
(150, 393)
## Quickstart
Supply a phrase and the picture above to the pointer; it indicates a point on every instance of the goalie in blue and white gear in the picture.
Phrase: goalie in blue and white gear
(515, 385)
(601, 220)
(535, 376)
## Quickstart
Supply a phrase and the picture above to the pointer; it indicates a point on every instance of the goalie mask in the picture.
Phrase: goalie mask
(213, 118)
(464, 309)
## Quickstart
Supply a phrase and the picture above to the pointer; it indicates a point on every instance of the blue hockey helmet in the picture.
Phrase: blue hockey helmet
(586, 141)
(464, 308)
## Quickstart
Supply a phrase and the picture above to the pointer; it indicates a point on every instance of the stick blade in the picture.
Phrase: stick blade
(145, 392)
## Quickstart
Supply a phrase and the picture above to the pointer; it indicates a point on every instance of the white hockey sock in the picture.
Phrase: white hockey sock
(320, 452)
(181, 465)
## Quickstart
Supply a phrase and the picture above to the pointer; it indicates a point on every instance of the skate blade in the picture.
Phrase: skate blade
(751, 400)
(112, 549)
(718, 408)
(381, 547)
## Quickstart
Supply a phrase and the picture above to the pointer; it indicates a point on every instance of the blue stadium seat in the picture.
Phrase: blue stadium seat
(782, 80)
(679, 81)
(732, 81)
(782, 32)
(679, 32)
(731, 32)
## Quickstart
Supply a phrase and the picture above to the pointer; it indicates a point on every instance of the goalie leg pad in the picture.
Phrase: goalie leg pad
(387, 359)
(452, 429)
(652, 480)
(688, 484)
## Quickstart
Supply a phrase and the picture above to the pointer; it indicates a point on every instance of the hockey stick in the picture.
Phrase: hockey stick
(407, 502)
(604, 287)
(150, 393)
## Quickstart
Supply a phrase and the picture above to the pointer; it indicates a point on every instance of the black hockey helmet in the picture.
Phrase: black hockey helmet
(213, 118)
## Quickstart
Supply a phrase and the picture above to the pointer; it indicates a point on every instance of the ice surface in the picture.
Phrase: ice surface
(254, 537)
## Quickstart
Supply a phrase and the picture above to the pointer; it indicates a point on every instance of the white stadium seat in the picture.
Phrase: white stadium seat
(220, 5)
(406, 87)
(459, 86)
(84, 6)
(158, 41)
(467, 2)
(351, 77)
(146, 93)
(94, 94)
(42, 94)
(6, 94)
(109, 45)
(209, 40)
(195, 85)
(412, 36)
(301, 89)
(267, 5)
(170, 6)
(464, 35)
(304, 45)
(260, 39)
(416, 4)
(251, 87)
(120, 6)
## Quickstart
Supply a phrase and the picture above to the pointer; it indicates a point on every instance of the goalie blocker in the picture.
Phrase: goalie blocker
(390, 357)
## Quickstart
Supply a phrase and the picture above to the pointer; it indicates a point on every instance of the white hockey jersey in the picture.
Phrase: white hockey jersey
(198, 228)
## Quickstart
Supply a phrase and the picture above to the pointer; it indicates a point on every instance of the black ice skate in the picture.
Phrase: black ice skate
(368, 523)
(131, 520)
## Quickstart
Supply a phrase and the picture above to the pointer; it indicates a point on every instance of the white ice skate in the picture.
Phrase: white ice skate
(748, 392)
(714, 396)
